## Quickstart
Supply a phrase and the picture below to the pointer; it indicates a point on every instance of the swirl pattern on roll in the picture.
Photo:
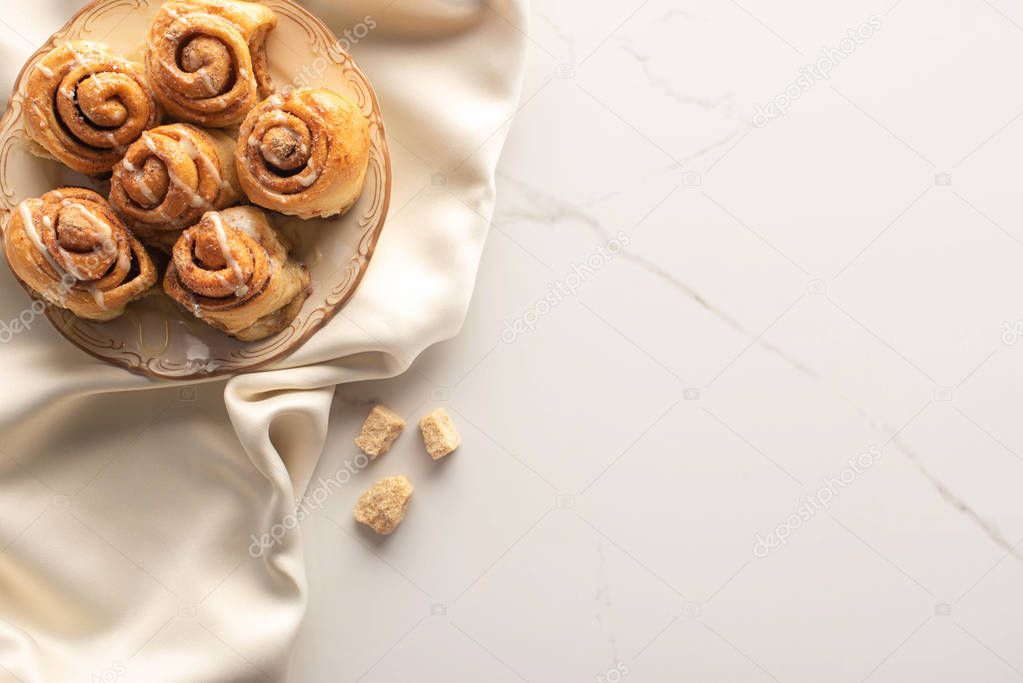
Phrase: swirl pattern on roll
(70, 248)
(84, 105)
(304, 153)
(233, 272)
(207, 59)
(170, 177)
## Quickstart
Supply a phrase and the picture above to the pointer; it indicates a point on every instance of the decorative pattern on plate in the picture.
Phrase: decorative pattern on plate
(155, 338)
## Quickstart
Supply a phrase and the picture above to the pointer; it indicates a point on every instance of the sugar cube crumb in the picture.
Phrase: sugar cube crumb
(439, 434)
(383, 505)
(379, 432)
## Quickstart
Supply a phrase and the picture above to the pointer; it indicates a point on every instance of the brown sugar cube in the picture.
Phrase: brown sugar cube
(439, 434)
(382, 506)
(379, 431)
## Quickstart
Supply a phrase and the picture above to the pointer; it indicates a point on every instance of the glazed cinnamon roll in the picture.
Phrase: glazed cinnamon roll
(207, 59)
(170, 177)
(304, 154)
(84, 106)
(232, 271)
(70, 248)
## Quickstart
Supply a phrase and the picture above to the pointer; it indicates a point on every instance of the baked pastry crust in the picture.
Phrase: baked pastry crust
(304, 154)
(84, 106)
(170, 177)
(207, 59)
(70, 248)
(233, 272)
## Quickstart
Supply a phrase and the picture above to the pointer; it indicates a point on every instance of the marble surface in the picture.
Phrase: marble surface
(700, 333)
(738, 385)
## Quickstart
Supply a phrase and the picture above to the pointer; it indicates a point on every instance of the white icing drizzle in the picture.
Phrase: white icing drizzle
(108, 246)
(100, 225)
(225, 249)
(241, 221)
(271, 156)
(207, 80)
(39, 113)
(193, 305)
(112, 141)
(278, 118)
(174, 15)
(28, 220)
(181, 185)
(169, 69)
(33, 234)
(99, 297)
(197, 155)
(80, 60)
(190, 149)
(202, 73)
(311, 174)
(45, 70)
(308, 177)
(195, 200)
(161, 215)
(148, 193)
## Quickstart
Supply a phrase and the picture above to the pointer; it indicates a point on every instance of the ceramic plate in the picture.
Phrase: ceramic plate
(155, 337)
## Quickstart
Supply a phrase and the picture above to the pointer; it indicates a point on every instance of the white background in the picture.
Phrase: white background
(792, 295)
(637, 117)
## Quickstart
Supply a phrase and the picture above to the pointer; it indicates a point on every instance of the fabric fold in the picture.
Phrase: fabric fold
(150, 532)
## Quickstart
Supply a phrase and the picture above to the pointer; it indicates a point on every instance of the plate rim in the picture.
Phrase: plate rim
(59, 318)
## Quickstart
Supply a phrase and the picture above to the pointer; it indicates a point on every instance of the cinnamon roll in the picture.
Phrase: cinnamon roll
(304, 154)
(170, 177)
(84, 106)
(207, 59)
(232, 271)
(70, 248)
